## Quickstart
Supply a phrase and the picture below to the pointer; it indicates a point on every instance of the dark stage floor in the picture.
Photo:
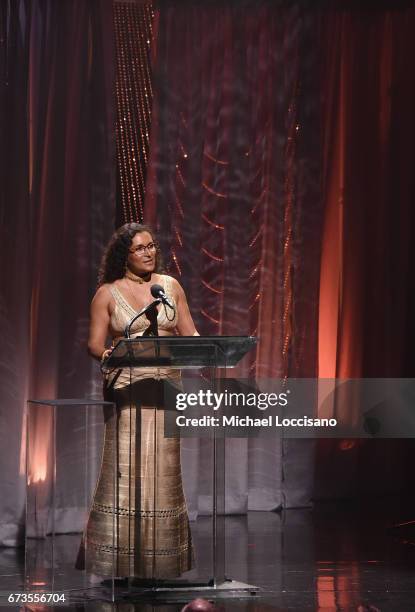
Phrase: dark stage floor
(331, 558)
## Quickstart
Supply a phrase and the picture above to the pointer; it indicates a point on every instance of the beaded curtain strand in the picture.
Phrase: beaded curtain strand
(134, 95)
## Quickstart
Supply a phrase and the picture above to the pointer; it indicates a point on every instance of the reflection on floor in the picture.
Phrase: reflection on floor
(331, 558)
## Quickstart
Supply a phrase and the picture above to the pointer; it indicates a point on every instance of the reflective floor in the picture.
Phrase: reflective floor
(339, 557)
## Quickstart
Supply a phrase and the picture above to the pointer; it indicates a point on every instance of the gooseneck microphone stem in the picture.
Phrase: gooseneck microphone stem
(142, 312)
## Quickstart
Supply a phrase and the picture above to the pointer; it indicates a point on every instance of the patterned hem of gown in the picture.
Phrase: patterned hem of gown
(126, 570)
(166, 513)
(148, 552)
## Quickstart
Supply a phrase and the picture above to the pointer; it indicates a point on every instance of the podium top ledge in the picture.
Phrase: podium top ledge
(179, 351)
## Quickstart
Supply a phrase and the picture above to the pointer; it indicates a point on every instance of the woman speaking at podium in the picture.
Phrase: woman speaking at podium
(152, 534)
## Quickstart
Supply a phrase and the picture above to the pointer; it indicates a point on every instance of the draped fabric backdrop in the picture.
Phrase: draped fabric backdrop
(273, 152)
(234, 192)
(367, 291)
(58, 209)
(270, 123)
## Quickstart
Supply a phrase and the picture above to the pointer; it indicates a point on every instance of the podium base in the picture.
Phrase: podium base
(182, 591)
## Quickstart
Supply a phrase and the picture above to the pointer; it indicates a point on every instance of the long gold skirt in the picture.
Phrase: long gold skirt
(151, 528)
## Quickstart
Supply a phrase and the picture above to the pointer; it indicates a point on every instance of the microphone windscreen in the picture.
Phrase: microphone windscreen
(156, 291)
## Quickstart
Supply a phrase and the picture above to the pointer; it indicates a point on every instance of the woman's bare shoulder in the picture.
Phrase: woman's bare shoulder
(166, 277)
(103, 294)
(173, 282)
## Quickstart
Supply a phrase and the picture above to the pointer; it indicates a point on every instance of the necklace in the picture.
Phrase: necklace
(137, 279)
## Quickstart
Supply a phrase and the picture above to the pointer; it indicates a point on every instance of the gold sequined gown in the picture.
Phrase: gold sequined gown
(152, 536)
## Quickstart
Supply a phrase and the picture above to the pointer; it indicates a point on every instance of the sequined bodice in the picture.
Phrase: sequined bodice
(124, 312)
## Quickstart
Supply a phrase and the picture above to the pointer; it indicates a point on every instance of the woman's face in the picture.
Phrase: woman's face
(142, 256)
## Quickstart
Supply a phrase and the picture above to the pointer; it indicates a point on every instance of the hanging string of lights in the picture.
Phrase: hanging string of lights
(133, 37)
(289, 192)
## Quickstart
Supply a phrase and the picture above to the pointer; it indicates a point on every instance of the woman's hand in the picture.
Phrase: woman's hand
(106, 353)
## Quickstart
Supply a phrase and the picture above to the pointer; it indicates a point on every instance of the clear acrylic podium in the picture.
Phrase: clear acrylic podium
(199, 357)
(196, 357)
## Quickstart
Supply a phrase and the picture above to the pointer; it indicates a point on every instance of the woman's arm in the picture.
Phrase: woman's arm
(99, 324)
(185, 325)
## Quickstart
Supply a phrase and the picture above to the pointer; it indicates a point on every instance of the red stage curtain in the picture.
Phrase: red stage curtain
(58, 194)
(281, 182)
(367, 291)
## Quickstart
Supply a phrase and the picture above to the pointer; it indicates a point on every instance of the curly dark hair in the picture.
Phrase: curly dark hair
(114, 260)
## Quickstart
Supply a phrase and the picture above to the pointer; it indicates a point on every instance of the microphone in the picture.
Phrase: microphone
(143, 311)
(157, 292)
